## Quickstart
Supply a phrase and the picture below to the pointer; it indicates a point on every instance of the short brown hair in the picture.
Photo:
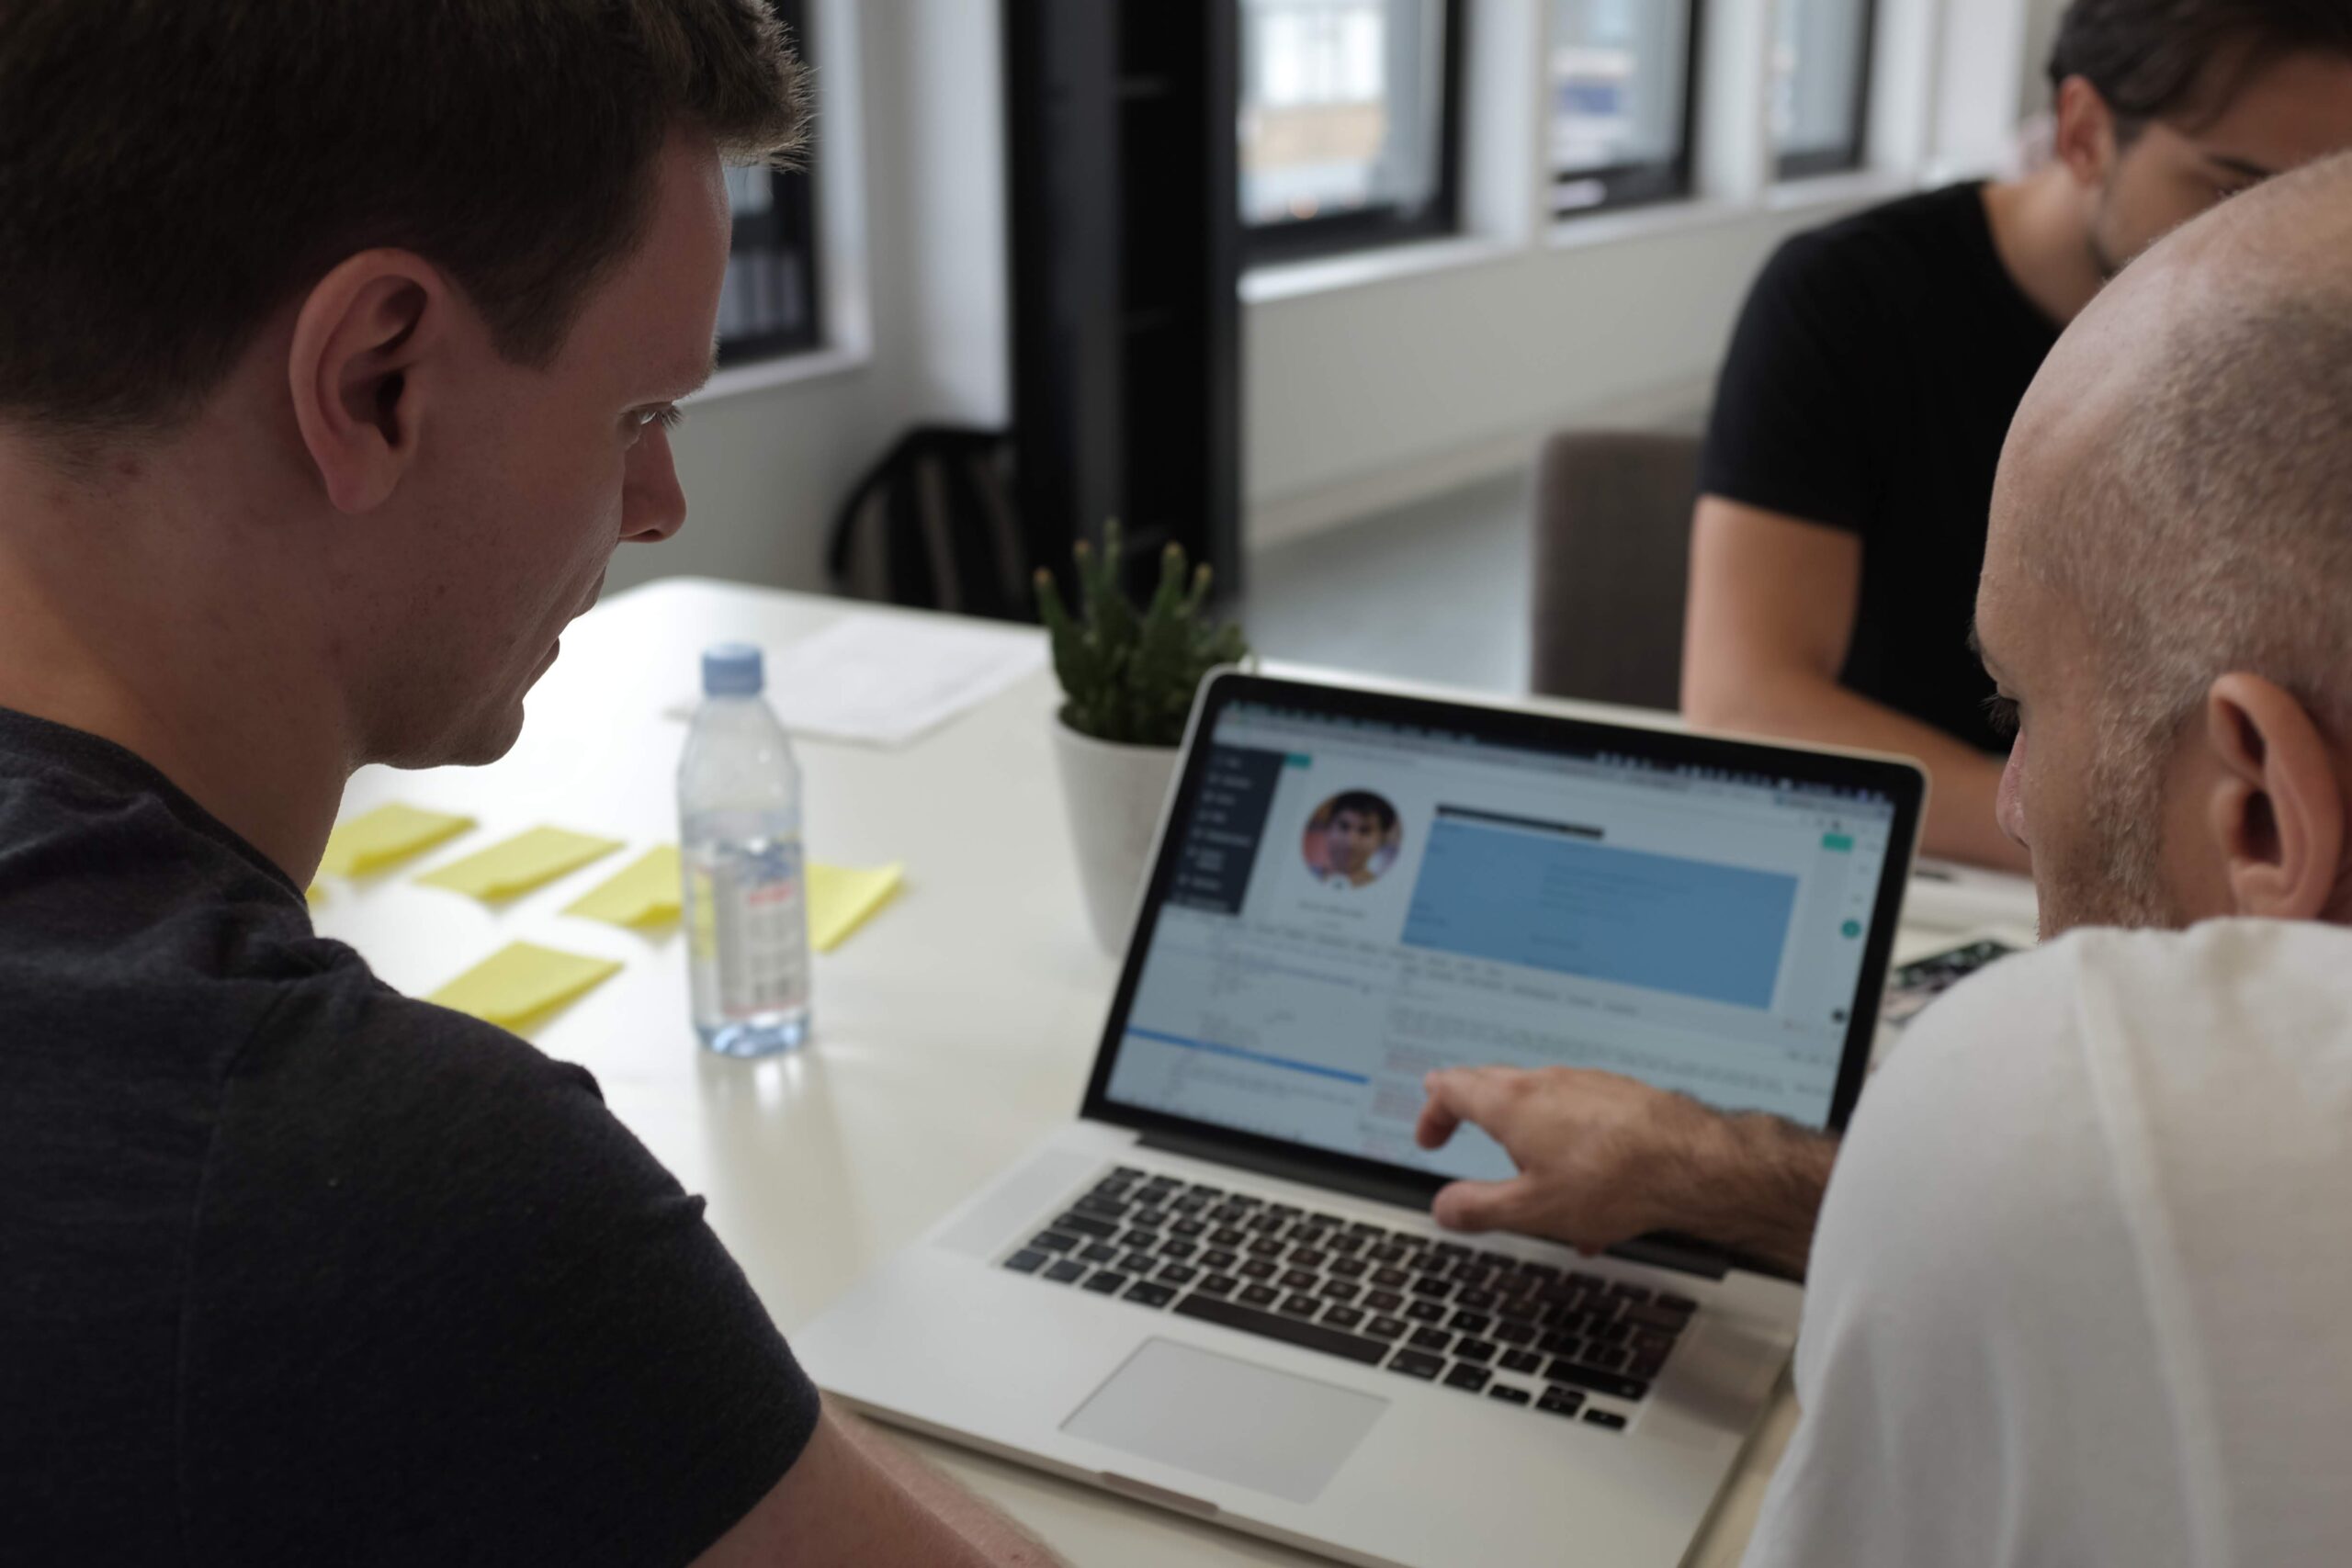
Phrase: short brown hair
(173, 171)
(2170, 59)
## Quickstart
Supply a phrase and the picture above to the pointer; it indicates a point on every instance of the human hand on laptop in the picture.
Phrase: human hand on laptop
(1604, 1158)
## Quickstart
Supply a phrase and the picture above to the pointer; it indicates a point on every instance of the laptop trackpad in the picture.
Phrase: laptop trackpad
(1214, 1415)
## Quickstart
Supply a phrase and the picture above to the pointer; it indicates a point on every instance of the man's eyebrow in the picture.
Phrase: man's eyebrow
(2245, 166)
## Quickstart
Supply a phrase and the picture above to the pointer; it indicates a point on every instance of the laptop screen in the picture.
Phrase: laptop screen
(1347, 901)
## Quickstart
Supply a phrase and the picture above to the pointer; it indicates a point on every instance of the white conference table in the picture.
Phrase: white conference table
(953, 1030)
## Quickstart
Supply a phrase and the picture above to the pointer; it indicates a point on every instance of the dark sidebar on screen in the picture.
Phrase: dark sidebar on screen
(1228, 819)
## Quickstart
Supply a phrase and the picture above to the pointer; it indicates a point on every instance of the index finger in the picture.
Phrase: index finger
(1475, 1095)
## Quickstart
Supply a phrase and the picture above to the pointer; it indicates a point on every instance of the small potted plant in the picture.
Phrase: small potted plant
(1127, 679)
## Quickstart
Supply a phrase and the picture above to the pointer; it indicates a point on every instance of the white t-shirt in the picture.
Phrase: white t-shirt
(2082, 1293)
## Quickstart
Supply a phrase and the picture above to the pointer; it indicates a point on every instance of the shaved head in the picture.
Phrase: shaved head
(2176, 503)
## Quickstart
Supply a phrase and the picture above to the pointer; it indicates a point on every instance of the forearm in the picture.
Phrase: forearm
(1756, 1186)
(1801, 706)
(997, 1539)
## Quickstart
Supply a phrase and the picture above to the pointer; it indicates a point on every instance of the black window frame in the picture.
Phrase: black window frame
(1647, 182)
(1853, 153)
(1368, 228)
(788, 224)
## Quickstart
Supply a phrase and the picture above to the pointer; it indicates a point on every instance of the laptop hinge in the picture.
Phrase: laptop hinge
(1679, 1253)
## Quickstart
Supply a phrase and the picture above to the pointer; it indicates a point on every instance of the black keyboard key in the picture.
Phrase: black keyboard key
(1507, 1394)
(1178, 1251)
(1425, 1312)
(1613, 1385)
(1178, 1274)
(1101, 1252)
(1543, 1273)
(1432, 1287)
(1521, 1361)
(1226, 1236)
(1220, 1285)
(1307, 1258)
(1218, 1258)
(1348, 1244)
(1414, 1364)
(1607, 1418)
(1386, 1252)
(1151, 1293)
(1343, 1316)
(1653, 1319)
(1256, 1269)
(1559, 1345)
(1650, 1344)
(1301, 1307)
(1123, 1173)
(1189, 1227)
(1028, 1260)
(1152, 1219)
(1203, 1190)
(1587, 1281)
(1560, 1402)
(1501, 1263)
(1470, 1323)
(1479, 1300)
(1339, 1289)
(1265, 1247)
(1429, 1263)
(1630, 1292)
(1526, 1309)
(1349, 1268)
(1141, 1238)
(1608, 1358)
(1243, 1200)
(1452, 1249)
(1083, 1224)
(1612, 1333)
(1299, 1279)
(1068, 1269)
(1474, 1351)
(1053, 1241)
(1259, 1295)
(1384, 1327)
(1682, 1304)
(1430, 1339)
(1511, 1332)
(1138, 1263)
(1107, 1282)
(1287, 1211)
(1384, 1300)
(1468, 1377)
(1645, 1368)
(1390, 1278)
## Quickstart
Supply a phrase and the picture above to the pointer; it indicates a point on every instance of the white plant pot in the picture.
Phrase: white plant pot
(1113, 795)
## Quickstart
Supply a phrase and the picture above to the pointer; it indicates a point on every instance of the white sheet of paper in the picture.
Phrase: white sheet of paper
(885, 680)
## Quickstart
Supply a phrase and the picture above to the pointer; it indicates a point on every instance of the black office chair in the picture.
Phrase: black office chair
(1610, 568)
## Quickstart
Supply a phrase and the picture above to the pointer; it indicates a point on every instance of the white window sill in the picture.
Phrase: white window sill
(1380, 264)
(1832, 190)
(1606, 228)
(784, 370)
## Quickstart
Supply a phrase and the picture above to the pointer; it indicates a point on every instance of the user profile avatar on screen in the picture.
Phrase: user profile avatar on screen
(1351, 838)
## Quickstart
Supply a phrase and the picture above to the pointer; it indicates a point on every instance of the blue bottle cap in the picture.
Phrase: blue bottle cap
(732, 669)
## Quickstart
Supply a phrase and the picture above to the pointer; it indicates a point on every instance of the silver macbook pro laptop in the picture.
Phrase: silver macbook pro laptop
(1219, 1288)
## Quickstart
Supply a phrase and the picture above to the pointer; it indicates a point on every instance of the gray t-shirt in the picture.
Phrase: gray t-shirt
(295, 1269)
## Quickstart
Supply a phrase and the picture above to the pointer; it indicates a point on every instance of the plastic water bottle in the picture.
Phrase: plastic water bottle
(746, 905)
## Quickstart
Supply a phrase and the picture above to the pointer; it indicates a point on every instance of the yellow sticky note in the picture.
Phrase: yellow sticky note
(523, 862)
(521, 981)
(841, 897)
(389, 834)
(643, 894)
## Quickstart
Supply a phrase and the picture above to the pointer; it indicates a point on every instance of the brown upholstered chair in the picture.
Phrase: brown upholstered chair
(1611, 556)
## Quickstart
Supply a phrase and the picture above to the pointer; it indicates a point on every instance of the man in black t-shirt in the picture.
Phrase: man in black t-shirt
(1849, 465)
(338, 341)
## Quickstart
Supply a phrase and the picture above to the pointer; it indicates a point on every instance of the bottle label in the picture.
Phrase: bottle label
(750, 919)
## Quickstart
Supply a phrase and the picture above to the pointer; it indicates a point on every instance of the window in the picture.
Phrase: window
(1621, 89)
(768, 306)
(1821, 84)
(1350, 120)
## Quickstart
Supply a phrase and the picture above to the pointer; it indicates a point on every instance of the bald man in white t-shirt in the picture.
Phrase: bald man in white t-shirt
(2082, 1288)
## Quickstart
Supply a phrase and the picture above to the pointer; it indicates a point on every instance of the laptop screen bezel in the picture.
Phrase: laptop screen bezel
(1899, 782)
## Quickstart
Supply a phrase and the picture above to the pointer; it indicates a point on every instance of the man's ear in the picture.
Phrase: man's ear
(357, 340)
(2276, 807)
(2085, 138)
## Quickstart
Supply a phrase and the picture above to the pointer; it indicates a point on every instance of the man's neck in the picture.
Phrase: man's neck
(2040, 233)
(106, 626)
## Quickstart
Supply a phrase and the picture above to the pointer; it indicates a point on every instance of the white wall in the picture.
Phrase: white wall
(1362, 388)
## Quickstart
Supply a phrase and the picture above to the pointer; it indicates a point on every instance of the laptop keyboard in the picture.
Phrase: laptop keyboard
(1479, 1321)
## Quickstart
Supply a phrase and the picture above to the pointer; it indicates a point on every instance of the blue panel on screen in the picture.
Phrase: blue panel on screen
(1577, 907)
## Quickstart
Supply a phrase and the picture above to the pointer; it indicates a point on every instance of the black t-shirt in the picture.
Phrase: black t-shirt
(294, 1269)
(1869, 386)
